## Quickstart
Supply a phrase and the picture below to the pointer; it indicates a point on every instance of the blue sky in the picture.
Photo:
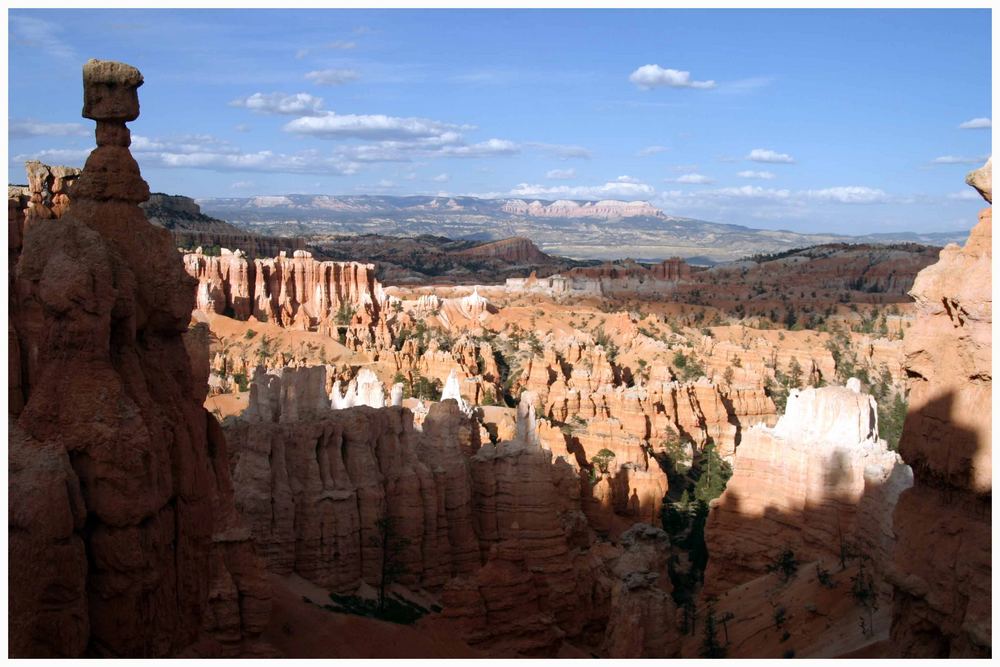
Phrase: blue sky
(846, 121)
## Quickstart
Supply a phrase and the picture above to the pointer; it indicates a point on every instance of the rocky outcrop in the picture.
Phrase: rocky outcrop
(819, 481)
(515, 250)
(251, 245)
(124, 538)
(176, 212)
(294, 292)
(942, 568)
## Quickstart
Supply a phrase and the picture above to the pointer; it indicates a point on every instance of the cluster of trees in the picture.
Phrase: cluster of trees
(419, 387)
(695, 478)
(688, 366)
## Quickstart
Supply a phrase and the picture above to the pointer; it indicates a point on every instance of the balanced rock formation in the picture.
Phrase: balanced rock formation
(818, 482)
(124, 538)
(942, 569)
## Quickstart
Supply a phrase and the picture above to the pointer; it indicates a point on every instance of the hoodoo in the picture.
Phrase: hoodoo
(124, 537)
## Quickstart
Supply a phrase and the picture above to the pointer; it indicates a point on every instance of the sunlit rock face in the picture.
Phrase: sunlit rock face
(942, 567)
(128, 543)
(819, 479)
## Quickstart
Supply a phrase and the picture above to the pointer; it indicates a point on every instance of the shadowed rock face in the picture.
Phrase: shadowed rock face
(818, 480)
(128, 543)
(942, 573)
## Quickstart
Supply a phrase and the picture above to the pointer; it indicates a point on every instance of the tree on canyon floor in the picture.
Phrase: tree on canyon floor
(391, 547)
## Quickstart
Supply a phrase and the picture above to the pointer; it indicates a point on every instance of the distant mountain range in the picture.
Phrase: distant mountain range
(607, 229)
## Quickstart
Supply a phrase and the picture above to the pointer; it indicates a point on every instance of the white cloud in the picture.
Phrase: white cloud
(334, 76)
(749, 192)
(42, 36)
(242, 127)
(488, 148)
(243, 185)
(627, 179)
(615, 190)
(762, 175)
(28, 127)
(67, 156)
(651, 150)
(280, 103)
(766, 155)
(965, 195)
(654, 76)
(851, 194)
(977, 124)
(374, 126)
(560, 174)
(955, 159)
(440, 178)
(692, 179)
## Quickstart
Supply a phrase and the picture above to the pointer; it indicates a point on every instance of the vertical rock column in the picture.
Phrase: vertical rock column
(100, 308)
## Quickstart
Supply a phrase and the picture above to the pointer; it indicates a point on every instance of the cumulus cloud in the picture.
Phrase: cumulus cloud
(766, 155)
(367, 126)
(654, 76)
(761, 175)
(334, 76)
(560, 174)
(956, 159)
(692, 179)
(627, 179)
(651, 150)
(977, 124)
(488, 148)
(29, 127)
(440, 178)
(612, 190)
(298, 104)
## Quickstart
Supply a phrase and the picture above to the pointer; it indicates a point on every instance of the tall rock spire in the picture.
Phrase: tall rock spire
(132, 520)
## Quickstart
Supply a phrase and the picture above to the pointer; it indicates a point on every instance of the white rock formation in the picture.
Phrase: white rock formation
(453, 390)
(396, 395)
(364, 389)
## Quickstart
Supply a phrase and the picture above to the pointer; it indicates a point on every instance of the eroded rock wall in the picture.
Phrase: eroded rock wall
(942, 569)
